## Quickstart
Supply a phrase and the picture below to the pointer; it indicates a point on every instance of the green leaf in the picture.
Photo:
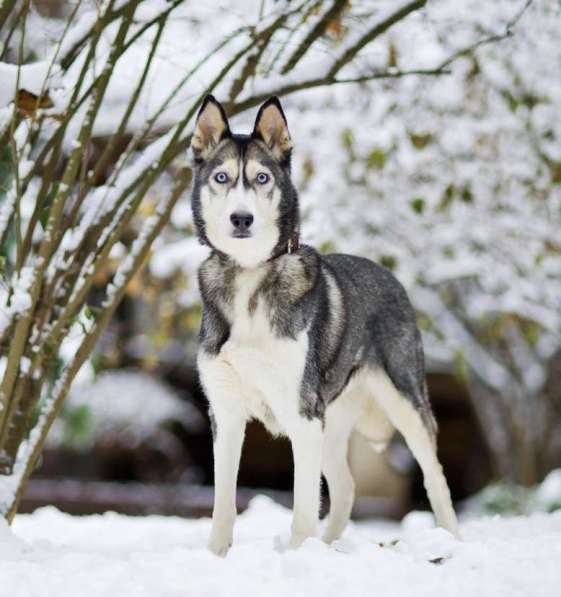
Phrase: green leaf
(555, 168)
(376, 159)
(417, 205)
(424, 322)
(538, 260)
(347, 138)
(466, 195)
(447, 198)
(461, 367)
(327, 247)
(388, 261)
(448, 251)
(420, 141)
(78, 426)
(512, 102)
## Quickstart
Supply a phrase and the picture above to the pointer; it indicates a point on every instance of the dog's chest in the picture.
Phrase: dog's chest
(248, 312)
(269, 367)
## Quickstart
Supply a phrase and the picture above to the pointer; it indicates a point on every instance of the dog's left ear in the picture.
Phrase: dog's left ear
(271, 128)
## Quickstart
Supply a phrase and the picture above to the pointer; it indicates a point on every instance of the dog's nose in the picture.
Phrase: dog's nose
(241, 221)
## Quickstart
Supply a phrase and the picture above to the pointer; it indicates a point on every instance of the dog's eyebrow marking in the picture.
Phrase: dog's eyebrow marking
(253, 166)
(230, 166)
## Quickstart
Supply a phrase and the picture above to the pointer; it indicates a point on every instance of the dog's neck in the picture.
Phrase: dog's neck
(291, 246)
(288, 248)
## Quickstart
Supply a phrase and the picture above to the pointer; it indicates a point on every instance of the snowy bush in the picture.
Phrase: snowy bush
(126, 405)
(508, 498)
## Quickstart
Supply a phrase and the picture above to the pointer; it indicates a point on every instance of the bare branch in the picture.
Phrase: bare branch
(53, 233)
(115, 294)
(329, 78)
(72, 53)
(494, 38)
(319, 29)
(5, 10)
(372, 34)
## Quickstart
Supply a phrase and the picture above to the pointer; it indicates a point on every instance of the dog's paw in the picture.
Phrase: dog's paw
(330, 536)
(297, 539)
(219, 545)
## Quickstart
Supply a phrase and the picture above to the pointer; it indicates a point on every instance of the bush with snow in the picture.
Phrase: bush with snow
(507, 498)
(126, 405)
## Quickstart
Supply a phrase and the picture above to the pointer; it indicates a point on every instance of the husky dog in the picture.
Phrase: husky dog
(314, 346)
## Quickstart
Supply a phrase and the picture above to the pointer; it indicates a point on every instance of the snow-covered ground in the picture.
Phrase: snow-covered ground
(50, 553)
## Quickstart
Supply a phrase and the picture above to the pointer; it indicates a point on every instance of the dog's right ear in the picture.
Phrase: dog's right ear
(211, 127)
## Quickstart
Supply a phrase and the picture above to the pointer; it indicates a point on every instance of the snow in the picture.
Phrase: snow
(8, 487)
(549, 491)
(20, 300)
(50, 553)
(9, 543)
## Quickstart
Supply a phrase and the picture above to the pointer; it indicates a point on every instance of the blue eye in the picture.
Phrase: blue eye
(262, 178)
(221, 177)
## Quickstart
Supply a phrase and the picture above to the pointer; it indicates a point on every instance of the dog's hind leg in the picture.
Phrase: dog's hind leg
(338, 427)
(419, 436)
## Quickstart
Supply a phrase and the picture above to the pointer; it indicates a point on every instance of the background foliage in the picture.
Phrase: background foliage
(427, 137)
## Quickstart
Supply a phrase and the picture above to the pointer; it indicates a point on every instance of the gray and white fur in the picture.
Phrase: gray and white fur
(314, 346)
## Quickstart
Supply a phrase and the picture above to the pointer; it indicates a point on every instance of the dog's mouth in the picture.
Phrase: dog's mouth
(241, 234)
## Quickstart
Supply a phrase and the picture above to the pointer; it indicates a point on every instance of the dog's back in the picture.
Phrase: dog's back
(378, 314)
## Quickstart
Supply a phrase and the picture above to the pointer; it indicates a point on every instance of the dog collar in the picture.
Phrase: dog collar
(291, 246)
(293, 243)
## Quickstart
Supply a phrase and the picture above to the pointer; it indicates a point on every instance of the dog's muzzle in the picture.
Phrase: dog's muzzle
(241, 221)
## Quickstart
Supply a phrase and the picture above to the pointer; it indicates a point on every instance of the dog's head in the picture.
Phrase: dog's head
(244, 203)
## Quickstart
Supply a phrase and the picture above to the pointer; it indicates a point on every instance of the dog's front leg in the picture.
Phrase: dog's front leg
(307, 440)
(229, 434)
(222, 388)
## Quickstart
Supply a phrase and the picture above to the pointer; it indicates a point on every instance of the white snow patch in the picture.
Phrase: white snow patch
(20, 300)
(549, 491)
(10, 545)
(151, 556)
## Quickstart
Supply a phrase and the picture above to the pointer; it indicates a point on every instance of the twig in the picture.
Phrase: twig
(496, 37)
(5, 9)
(319, 29)
(372, 34)
(330, 77)
(13, 144)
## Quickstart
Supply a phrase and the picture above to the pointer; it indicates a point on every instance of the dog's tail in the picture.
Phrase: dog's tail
(413, 385)
(427, 414)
